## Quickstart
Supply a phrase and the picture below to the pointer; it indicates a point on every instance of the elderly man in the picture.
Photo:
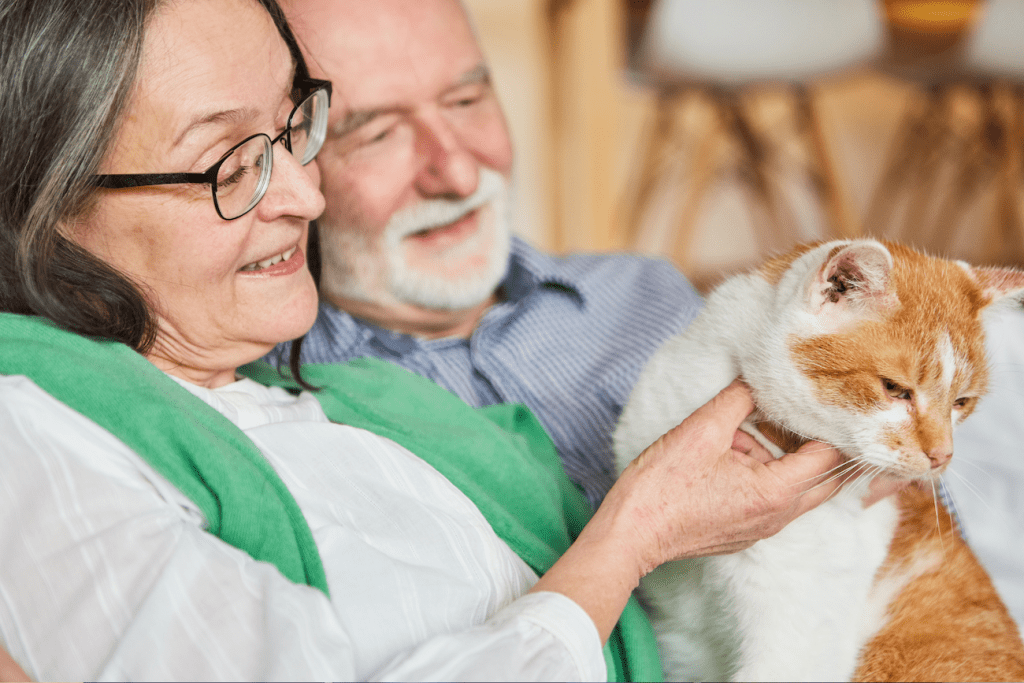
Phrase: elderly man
(418, 263)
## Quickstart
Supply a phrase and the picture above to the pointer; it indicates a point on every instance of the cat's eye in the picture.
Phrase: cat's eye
(895, 390)
(961, 402)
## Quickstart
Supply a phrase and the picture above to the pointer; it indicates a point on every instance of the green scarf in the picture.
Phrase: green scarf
(499, 456)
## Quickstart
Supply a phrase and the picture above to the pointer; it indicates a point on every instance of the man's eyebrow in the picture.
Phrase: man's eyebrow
(354, 120)
(479, 74)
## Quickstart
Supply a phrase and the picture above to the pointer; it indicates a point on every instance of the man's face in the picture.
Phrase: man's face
(416, 164)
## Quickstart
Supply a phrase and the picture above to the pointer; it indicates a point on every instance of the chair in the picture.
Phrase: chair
(717, 56)
(964, 137)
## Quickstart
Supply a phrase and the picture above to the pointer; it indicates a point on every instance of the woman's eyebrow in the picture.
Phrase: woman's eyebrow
(230, 116)
(235, 116)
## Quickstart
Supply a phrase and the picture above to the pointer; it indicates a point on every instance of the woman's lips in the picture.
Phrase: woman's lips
(285, 263)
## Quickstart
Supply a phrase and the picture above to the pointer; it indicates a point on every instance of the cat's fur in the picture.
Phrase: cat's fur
(878, 350)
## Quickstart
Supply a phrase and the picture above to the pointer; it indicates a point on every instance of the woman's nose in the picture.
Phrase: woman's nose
(294, 189)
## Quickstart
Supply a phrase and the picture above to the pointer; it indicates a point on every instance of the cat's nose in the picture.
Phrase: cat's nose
(939, 456)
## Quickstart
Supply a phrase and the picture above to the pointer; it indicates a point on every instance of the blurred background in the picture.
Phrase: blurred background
(716, 132)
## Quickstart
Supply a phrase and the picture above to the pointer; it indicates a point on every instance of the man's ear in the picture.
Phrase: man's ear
(854, 279)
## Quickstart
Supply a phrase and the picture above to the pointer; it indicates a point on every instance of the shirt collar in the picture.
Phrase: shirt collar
(528, 269)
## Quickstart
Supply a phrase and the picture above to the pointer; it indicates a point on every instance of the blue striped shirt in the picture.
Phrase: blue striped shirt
(568, 339)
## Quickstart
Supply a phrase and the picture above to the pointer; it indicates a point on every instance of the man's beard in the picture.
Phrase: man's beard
(356, 269)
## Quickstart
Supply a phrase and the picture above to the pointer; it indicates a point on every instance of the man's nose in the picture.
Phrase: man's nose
(447, 166)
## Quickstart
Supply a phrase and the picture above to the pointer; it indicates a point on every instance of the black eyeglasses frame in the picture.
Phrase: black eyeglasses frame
(303, 89)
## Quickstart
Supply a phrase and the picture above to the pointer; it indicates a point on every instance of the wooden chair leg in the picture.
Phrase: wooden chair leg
(904, 160)
(975, 157)
(656, 139)
(825, 182)
(935, 140)
(773, 221)
(1009, 217)
(701, 176)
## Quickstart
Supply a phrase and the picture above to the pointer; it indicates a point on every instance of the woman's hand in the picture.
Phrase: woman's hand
(10, 672)
(706, 489)
(701, 489)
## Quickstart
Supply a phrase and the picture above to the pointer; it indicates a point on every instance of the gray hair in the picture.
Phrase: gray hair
(68, 69)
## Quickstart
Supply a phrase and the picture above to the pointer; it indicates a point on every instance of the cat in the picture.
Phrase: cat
(878, 350)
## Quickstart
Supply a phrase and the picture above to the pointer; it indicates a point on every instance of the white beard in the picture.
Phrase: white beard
(355, 268)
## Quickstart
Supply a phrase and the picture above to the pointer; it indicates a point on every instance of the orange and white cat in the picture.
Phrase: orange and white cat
(878, 350)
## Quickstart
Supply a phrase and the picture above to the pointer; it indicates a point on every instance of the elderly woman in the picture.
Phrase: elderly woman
(162, 517)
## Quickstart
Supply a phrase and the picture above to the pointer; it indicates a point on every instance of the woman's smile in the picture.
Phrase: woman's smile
(281, 264)
(209, 278)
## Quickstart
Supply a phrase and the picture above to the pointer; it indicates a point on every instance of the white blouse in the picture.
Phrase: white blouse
(106, 572)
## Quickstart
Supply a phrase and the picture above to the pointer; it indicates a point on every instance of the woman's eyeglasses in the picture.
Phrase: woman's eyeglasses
(241, 177)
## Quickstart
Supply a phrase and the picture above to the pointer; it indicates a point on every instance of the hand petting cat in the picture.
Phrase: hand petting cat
(9, 669)
(729, 492)
(871, 347)
(879, 488)
(699, 490)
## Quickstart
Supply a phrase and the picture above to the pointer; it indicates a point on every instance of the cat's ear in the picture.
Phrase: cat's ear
(1001, 286)
(853, 282)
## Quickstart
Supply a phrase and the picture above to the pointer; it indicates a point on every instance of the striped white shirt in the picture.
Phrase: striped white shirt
(568, 340)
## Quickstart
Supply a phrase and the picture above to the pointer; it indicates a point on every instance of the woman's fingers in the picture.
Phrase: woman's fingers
(810, 475)
(10, 672)
(726, 410)
(883, 487)
(747, 445)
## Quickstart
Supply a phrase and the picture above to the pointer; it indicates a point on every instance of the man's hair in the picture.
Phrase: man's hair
(68, 69)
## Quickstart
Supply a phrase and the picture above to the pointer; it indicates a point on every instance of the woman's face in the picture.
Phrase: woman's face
(213, 73)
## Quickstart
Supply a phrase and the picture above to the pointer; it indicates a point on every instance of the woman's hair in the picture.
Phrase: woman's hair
(67, 73)
(67, 68)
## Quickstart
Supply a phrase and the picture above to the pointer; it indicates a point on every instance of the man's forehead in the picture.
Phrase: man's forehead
(344, 27)
(380, 52)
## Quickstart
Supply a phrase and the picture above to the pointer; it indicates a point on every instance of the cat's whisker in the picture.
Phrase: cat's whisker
(972, 488)
(975, 466)
(863, 470)
(938, 524)
(953, 525)
(869, 472)
(855, 471)
(949, 514)
(839, 469)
